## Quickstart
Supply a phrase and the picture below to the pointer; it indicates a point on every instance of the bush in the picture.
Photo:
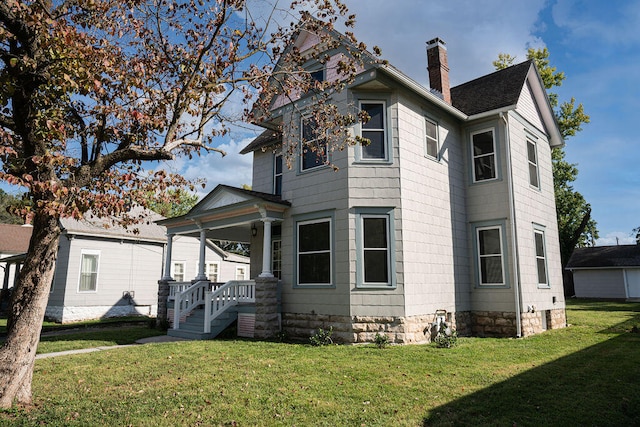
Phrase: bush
(446, 337)
(322, 337)
(381, 341)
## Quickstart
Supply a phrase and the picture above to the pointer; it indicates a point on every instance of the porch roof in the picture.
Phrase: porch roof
(227, 213)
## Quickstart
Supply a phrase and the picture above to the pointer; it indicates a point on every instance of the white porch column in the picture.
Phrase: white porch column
(266, 248)
(202, 260)
(167, 259)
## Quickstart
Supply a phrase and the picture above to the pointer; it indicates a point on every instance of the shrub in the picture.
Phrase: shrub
(322, 337)
(381, 341)
(446, 337)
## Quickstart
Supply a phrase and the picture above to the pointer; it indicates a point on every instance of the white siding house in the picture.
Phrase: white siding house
(448, 213)
(104, 270)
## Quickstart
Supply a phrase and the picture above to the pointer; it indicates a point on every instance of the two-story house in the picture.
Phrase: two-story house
(448, 213)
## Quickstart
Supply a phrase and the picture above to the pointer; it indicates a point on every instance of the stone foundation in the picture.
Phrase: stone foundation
(418, 329)
(76, 314)
(363, 329)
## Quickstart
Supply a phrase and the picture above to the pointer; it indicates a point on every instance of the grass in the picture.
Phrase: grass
(92, 333)
(588, 374)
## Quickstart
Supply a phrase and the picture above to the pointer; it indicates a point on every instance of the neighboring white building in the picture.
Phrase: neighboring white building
(606, 272)
(104, 270)
(449, 213)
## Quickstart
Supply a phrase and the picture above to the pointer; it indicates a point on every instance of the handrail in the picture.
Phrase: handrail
(226, 296)
(185, 301)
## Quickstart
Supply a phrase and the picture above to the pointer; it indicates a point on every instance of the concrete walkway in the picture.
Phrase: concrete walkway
(149, 340)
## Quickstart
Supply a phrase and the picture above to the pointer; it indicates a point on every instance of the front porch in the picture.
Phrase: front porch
(200, 309)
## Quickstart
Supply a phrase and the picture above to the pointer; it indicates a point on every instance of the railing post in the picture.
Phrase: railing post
(207, 312)
(177, 302)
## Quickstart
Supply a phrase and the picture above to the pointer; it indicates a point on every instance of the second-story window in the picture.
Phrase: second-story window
(431, 138)
(314, 147)
(532, 157)
(484, 156)
(277, 175)
(375, 131)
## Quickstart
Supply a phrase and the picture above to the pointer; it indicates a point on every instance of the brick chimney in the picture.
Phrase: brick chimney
(438, 68)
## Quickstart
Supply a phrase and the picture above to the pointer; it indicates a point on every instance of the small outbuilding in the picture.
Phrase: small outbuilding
(610, 272)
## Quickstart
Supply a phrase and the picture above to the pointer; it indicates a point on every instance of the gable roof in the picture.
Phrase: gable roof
(14, 239)
(605, 257)
(148, 230)
(491, 92)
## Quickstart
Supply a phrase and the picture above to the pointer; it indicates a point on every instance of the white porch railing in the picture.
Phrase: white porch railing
(226, 296)
(186, 300)
(176, 287)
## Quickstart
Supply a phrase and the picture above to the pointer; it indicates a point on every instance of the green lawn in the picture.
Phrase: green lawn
(588, 374)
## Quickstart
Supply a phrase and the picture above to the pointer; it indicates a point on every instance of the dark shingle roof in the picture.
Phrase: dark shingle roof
(491, 92)
(265, 139)
(605, 256)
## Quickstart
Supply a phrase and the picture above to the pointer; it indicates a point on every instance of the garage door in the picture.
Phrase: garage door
(633, 283)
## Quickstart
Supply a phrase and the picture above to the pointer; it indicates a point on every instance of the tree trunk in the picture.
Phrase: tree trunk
(28, 304)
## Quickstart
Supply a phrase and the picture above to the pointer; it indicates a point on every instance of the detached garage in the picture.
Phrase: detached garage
(610, 272)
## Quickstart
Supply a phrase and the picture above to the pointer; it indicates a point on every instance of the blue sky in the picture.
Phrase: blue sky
(596, 44)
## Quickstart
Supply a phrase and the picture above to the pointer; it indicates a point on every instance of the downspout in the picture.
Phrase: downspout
(514, 233)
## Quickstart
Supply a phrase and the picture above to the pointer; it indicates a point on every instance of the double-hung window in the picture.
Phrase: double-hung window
(375, 131)
(541, 258)
(89, 263)
(314, 252)
(212, 271)
(532, 157)
(374, 245)
(431, 128)
(484, 155)
(241, 273)
(277, 174)
(313, 148)
(179, 268)
(490, 255)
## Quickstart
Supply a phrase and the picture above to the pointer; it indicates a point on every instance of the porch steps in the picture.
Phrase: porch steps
(193, 326)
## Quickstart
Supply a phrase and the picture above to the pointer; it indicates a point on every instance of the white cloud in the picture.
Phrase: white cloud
(233, 169)
(616, 238)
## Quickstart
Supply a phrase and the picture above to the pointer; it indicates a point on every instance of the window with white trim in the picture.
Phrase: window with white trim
(431, 128)
(490, 255)
(313, 147)
(313, 252)
(541, 257)
(178, 269)
(484, 155)
(212, 272)
(277, 174)
(89, 263)
(375, 256)
(241, 273)
(375, 131)
(532, 158)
